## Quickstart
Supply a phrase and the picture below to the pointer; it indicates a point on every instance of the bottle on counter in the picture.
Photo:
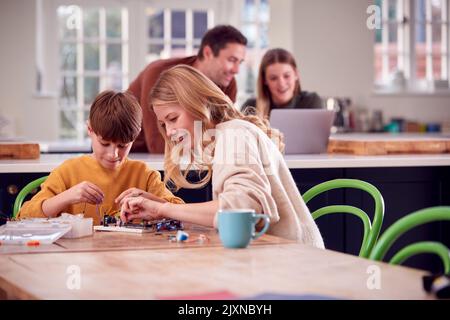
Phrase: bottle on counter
(377, 121)
(433, 127)
(362, 120)
(342, 120)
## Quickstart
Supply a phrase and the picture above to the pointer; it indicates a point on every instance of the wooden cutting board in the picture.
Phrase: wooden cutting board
(19, 150)
(381, 144)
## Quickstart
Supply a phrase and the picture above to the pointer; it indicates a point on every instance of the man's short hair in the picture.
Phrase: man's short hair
(218, 37)
(116, 116)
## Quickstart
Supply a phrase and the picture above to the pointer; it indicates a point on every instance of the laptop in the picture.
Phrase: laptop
(306, 131)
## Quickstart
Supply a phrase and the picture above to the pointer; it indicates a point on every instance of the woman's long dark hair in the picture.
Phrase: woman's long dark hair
(263, 99)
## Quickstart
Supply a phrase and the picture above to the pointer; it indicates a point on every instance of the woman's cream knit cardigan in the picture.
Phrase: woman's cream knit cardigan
(249, 172)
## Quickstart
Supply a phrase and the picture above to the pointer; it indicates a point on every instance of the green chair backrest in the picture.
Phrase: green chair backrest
(371, 231)
(24, 192)
(405, 224)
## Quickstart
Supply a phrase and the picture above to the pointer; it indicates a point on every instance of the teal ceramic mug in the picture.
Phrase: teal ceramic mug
(237, 227)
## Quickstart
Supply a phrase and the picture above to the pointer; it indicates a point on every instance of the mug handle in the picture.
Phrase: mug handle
(266, 219)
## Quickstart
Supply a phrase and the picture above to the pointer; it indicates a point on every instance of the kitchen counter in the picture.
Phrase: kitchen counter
(65, 146)
(47, 162)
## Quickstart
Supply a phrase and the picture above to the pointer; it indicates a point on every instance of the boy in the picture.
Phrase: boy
(92, 184)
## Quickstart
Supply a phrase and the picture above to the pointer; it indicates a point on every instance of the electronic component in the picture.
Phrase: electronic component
(113, 223)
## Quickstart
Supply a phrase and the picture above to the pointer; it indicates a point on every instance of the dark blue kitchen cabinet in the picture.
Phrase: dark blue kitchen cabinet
(10, 186)
(404, 190)
(194, 195)
(343, 232)
(331, 226)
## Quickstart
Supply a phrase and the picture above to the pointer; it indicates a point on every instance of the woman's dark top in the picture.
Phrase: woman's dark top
(303, 100)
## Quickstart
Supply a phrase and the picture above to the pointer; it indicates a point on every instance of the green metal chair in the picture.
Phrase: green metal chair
(24, 192)
(407, 223)
(371, 231)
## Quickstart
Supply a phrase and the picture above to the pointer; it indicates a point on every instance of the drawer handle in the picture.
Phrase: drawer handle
(12, 189)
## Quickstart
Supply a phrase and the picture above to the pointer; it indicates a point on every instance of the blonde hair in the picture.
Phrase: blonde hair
(264, 97)
(185, 86)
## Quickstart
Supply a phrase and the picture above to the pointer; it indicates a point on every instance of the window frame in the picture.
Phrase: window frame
(189, 41)
(406, 49)
(48, 57)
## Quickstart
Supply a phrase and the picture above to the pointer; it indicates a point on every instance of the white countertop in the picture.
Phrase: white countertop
(69, 146)
(47, 162)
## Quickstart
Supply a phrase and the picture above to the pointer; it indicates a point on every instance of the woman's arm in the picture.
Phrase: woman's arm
(136, 192)
(199, 213)
(141, 208)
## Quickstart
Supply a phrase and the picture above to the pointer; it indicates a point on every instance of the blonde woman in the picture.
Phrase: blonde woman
(203, 131)
(278, 86)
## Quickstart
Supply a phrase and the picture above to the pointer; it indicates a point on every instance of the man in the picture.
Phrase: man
(221, 52)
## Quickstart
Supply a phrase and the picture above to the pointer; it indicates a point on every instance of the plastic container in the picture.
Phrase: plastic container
(32, 232)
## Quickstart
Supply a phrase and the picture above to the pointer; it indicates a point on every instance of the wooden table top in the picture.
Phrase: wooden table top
(161, 273)
(107, 241)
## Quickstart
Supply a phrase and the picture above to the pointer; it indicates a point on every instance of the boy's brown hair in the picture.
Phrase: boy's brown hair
(116, 116)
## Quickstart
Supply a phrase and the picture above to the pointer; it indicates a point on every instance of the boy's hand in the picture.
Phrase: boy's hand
(135, 192)
(85, 192)
(140, 208)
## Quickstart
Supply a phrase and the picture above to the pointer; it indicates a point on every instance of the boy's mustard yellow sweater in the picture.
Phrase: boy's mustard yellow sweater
(112, 182)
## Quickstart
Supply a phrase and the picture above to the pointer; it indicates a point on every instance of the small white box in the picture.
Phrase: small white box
(81, 227)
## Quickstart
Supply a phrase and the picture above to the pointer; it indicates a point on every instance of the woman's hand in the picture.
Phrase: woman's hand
(140, 208)
(135, 192)
(84, 192)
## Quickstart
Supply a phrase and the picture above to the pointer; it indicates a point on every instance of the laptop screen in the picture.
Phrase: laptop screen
(306, 131)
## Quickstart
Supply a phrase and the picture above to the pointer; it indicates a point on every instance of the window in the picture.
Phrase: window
(96, 53)
(412, 45)
(431, 43)
(87, 46)
(93, 52)
(175, 32)
(255, 18)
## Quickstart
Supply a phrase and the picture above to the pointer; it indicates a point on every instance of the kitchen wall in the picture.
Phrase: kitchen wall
(329, 38)
(31, 116)
(14, 60)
